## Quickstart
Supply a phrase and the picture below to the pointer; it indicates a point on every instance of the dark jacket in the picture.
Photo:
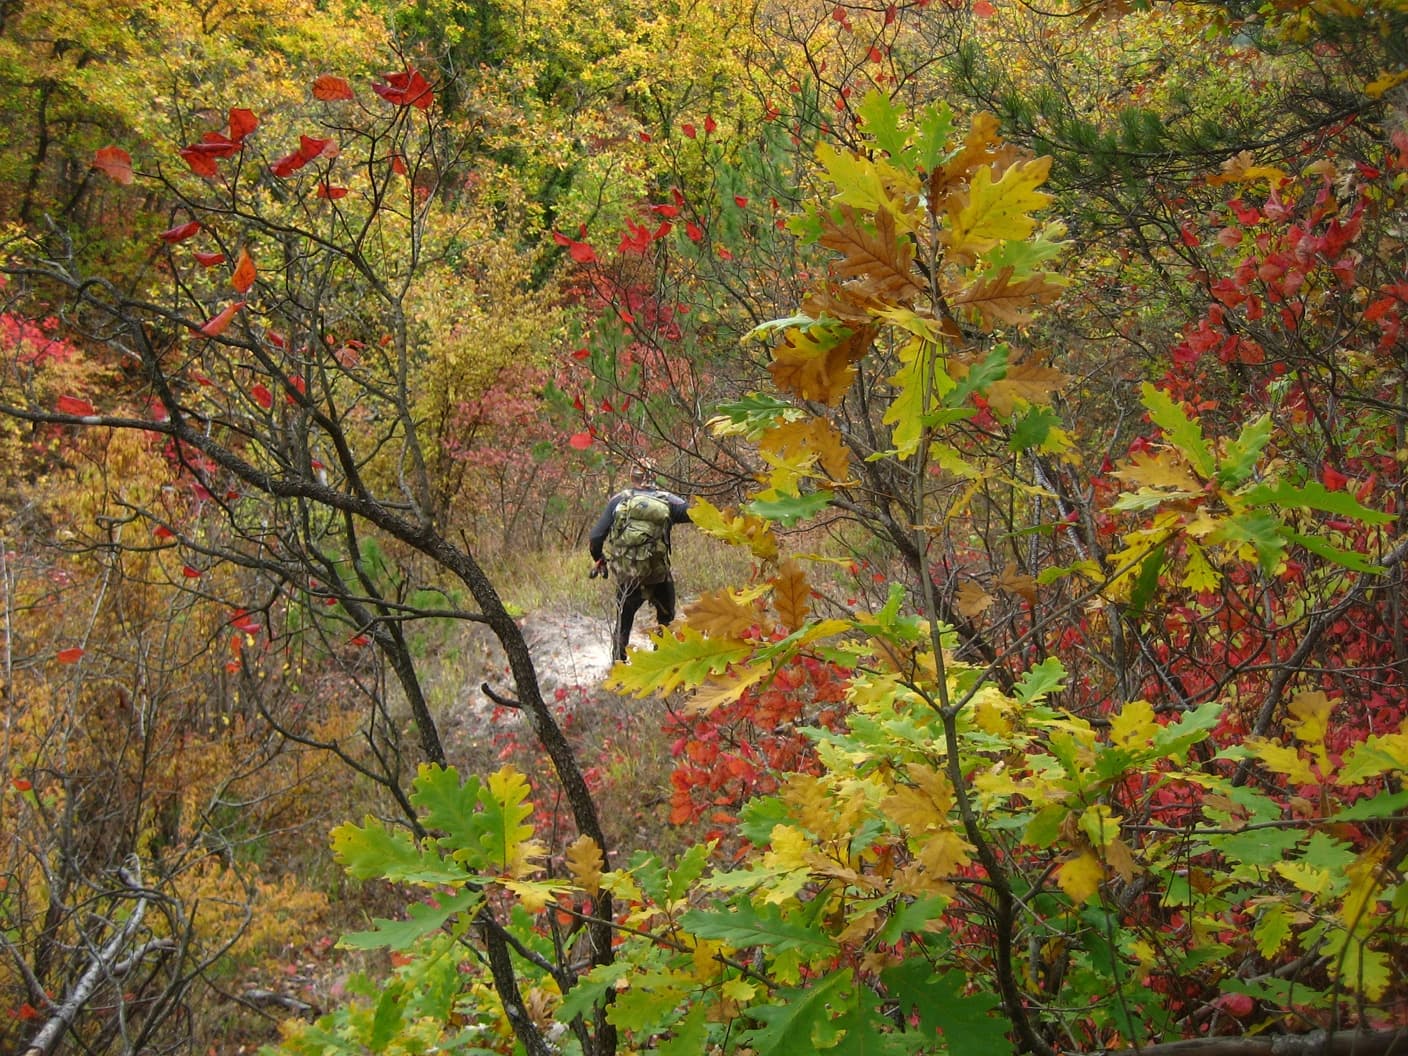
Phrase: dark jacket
(679, 514)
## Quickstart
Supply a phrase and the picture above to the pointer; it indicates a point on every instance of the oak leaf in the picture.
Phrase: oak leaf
(585, 862)
(997, 299)
(791, 595)
(1024, 381)
(992, 212)
(818, 363)
(721, 614)
(881, 258)
(1080, 876)
(972, 599)
(1015, 582)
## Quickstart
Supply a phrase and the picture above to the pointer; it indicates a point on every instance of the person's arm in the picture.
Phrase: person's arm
(602, 528)
(679, 509)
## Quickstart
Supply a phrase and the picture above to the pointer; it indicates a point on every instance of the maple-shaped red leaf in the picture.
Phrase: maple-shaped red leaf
(69, 656)
(202, 164)
(217, 325)
(329, 88)
(180, 232)
(327, 190)
(407, 88)
(115, 162)
(242, 123)
(74, 405)
(262, 395)
(245, 272)
(208, 260)
(580, 441)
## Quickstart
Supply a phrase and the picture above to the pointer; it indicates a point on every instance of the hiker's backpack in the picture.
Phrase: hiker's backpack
(636, 549)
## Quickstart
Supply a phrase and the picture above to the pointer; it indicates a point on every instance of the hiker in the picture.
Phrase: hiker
(631, 542)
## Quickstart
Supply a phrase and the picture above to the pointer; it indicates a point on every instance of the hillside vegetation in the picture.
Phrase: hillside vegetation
(1039, 381)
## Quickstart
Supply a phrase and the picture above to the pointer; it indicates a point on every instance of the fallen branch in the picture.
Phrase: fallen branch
(103, 966)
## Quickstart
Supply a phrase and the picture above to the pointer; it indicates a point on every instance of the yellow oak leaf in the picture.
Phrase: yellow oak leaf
(1309, 717)
(534, 895)
(791, 595)
(1121, 859)
(806, 442)
(1160, 469)
(943, 853)
(736, 529)
(1242, 168)
(584, 861)
(719, 694)
(1080, 876)
(1282, 760)
(1198, 572)
(1134, 726)
(721, 614)
(997, 211)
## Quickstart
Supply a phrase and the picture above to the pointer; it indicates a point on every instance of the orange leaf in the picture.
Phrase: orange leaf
(217, 326)
(245, 272)
(21, 784)
(69, 656)
(116, 162)
(328, 88)
(73, 405)
(326, 190)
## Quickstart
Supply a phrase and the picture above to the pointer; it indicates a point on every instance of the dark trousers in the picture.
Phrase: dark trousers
(629, 598)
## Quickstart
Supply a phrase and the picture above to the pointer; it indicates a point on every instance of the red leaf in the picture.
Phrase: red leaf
(724, 254)
(645, 137)
(688, 129)
(163, 532)
(200, 162)
(69, 656)
(891, 13)
(209, 260)
(983, 9)
(329, 88)
(692, 230)
(73, 405)
(288, 165)
(180, 233)
(581, 353)
(262, 395)
(326, 190)
(398, 165)
(242, 123)
(190, 573)
(406, 89)
(740, 201)
(217, 325)
(580, 441)
(245, 272)
(876, 55)
(710, 125)
(310, 148)
(115, 162)
(360, 639)
(1332, 478)
(295, 382)
(22, 784)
